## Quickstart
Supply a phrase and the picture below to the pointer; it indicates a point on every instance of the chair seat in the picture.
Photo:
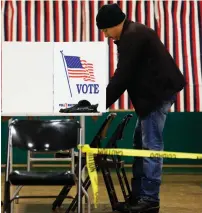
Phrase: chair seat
(42, 178)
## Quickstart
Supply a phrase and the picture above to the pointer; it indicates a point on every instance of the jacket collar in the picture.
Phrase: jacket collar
(125, 26)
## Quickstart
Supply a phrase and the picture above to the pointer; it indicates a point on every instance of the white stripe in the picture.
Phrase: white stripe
(14, 20)
(41, 21)
(10, 27)
(70, 29)
(142, 8)
(78, 20)
(162, 18)
(156, 10)
(2, 22)
(198, 61)
(83, 36)
(170, 23)
(124, 7)
(152, 15)
(134, 10)
(51, 22)
(179, 28)
(116, 104)
(61, 30)
(23, 9)
(189, 57)
(125, 93)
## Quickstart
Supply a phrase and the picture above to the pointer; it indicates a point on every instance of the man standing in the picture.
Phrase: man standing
(152, 79)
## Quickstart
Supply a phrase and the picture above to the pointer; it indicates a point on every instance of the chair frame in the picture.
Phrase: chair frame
(117, 163)
(105, 170)
(101, 134)
(8, 204)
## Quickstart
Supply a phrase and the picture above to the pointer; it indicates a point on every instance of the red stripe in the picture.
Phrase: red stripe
(77, 76)
(130, 10)
(195, 70)
(111, 59)
(121, 99)
(19, 7)
(101, 33)
(184, 24)
(148, 13)
(47, 5)
(92, 20)
(38, 20)
(75, 20)
(176, 49)
(130, 17)
(57, 22)
(139, 17)
(29, 20)
(66, 21)
(167, 26)
(158, 21)
(130, 13)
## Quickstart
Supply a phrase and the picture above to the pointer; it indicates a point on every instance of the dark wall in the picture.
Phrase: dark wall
(182, 133)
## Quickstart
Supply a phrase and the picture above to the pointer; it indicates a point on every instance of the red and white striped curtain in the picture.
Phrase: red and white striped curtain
(178, 24)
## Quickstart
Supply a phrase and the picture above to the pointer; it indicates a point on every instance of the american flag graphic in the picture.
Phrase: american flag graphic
(77, 68)
(178, 24)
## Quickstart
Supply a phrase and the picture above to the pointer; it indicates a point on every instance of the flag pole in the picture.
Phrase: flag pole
(61, 51)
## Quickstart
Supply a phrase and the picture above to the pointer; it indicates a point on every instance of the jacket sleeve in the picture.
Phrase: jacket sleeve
(129, 48)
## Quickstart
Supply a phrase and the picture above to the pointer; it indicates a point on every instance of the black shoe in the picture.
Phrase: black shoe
(82, 107)
(124, 207)
(145, 206)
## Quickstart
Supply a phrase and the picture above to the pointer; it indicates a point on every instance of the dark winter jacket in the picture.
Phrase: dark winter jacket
(145, 69)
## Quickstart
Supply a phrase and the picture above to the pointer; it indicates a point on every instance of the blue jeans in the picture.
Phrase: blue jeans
(148, 135)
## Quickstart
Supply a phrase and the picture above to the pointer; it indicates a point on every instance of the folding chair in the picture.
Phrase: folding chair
(46, 136)
(101, 134)
(104, 163)
(33, 158)
(117, 163)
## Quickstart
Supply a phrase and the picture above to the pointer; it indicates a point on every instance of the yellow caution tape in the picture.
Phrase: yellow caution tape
(125, 152)
(93, 176)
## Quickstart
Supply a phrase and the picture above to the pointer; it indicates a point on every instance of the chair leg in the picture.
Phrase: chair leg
(74, 204)
(60, 198)
(7, 203)
(12, 206)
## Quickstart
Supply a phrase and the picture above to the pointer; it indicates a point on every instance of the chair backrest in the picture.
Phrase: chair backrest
(102, 132)
(122, 126)
(44, 135)
(118, 133)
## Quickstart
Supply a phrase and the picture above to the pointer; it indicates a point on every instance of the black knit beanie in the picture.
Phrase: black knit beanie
(109, 15)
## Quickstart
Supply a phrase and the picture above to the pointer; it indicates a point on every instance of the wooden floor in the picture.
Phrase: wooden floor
(179, 194)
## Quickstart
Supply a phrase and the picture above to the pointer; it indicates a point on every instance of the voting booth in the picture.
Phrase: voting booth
(41, 78)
